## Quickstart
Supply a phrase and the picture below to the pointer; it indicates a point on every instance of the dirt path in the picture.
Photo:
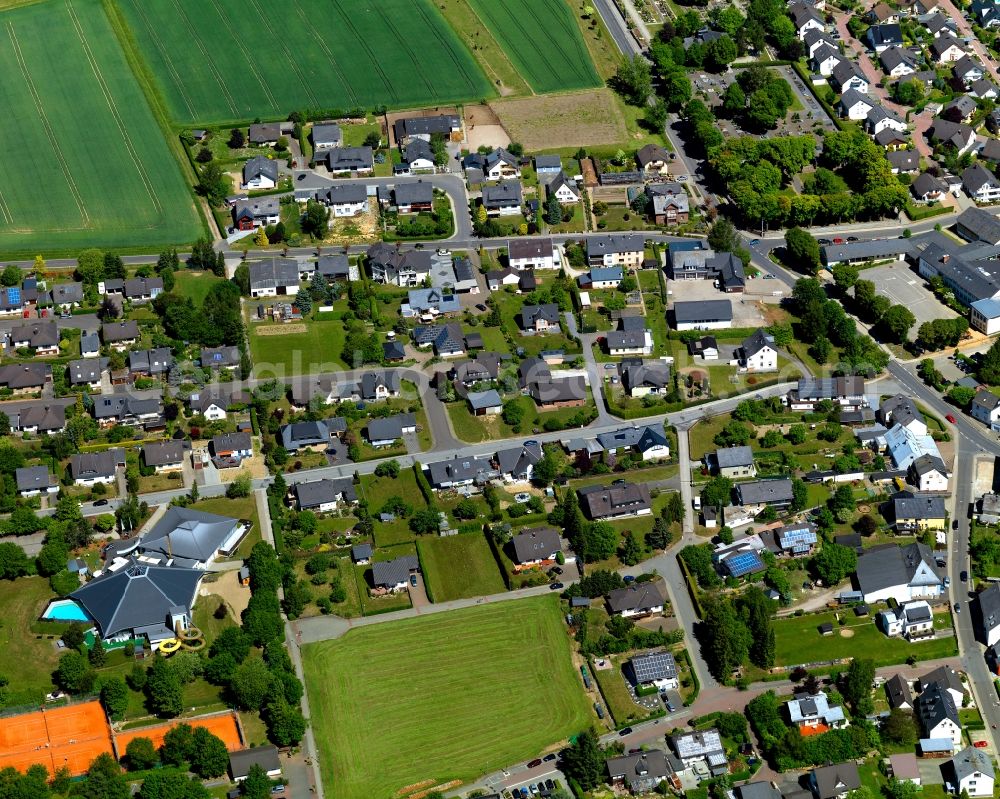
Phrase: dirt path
(227, 587)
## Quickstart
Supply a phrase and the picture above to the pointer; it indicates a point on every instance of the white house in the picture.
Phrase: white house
(855, 105)
(901, 573)
(564, 189)
(986, 408)
(758, 353)
(345, 199)
(938, 715)
(981, 184)
(912, 620)
(973, 771)
(658, 669)
(533, 254)
(984, 316)
(826, 59)
(260, 172)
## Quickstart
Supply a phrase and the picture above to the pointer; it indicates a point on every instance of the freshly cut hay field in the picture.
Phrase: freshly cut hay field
(579, 119)
(443, 696)
(542, 41)
(221, 60)
(85, 163)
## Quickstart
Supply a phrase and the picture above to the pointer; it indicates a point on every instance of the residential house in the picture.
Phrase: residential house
(616, 501)
(256, 212)
(264, 134)
(389, 264)
(150, 363)
(986, 616)
(984, 89)
(229, 449)
(668, 203)
(549, 390)
(902, 410)
(40, 336)
(981, 184)
(564, 189)
(344, 200)
(361, 554)
(978, 225)
(484, 403)
(220, 357)
(483, 369)
(37, 416)
(758, 353)
(460, 471)
(413, 197)
(706, 348)
(65, 296)
(946, 49)
(385, 432)
(733, 462)
(377, 386)
(533, 253)
(826, 58)
(986, 13)
(537, 546)
(972, 768)
(639, 377)
(447, 340)
(128, 409)
(938, 715)
(165, 456)
(503, 199)
(639, 772)
(882, 37)
(430, 303)
(25, 378)
(90, 344)
(702, 748)
(631, 338)
(919, 512)
(805, 19)
(418, 156)
(214, 405)
(988, 508)
(692, 260)
(947, 678)
(648, 440)
(324, 496)
(655, 669)
(795, 539)
(539, 318)
(927, 188)
(891, 139)
(911, 620)
(500, 165)
(703, 315)
(392, 576)
(957, 135)
(619, 249)
(274, 277)
(848, 76)
(835, 781)
(903, 573)
(855, 106)
(517, 464)
(637, 600)
(846, 391)
(407, 128)
(906, 162)
(881, 14)
(898, 692)
(260, 172)
(968, 70)
(327, 135)
(32, 481)
(87, 372)
(880, 119)
(342, 160)
(897, 62)
(547, 165)
(775, 493)
(91, 468)
(813, 714)
(653, 160)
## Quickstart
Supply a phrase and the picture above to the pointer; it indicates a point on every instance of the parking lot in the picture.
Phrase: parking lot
(901, 284)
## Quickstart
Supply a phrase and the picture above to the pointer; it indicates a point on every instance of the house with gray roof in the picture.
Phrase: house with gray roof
(703, 314)
(193, 538)
(129, 409)
(323, 496)
(902, 573)
(835, 781)
(899, 693)
(150, 363)
(65, 295)
(362, 553)
(264, 133)
(254, 212)
(35, 480)
(327, 135)
(981, 184)
(313, 435)
(91, 468)
(535, 546)
(390, 264)
(702, 748)
(273, 277)
(641, 377)
(640, 772)
(938, 715)
(140, 600)
(503, 199)
(120, 335)
(413, 197)
(391, 576)
(165, 456)
(947, 678)
(517, 464)
(87, 372)
(25, 377)
(260, 172)
(341, 160)
(637, 599)
(733, 462)
(460, 471)
(386, 431)
(615, 501)
(772, 493)
(484, 403)
(539, 318)
(621, 249)
(973, 771)
(986, 614)
(220, 357)
(656, 668)
(266, 757)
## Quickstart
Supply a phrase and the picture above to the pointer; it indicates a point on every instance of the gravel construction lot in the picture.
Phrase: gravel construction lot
(904, 286)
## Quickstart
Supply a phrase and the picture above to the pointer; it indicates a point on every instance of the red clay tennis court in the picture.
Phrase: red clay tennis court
(222, 725)
(71, 736)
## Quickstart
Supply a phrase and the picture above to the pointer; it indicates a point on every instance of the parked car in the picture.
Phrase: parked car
(628, 578)
(549, 758)
(549, 784)
(964, 575)
(100, 502)
(556, 586)
(979, 744)
(536, 762)
(824, 241)
(413, 580)
(556, 570)
(754, 242)
(625, 731)
(480, 307)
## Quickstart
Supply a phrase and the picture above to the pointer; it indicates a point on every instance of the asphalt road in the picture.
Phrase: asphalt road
(616, 26)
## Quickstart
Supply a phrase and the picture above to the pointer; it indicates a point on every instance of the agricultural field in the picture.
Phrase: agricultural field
(93, 171)
(580, 119)
(542, 40)
(421, 700)
(319, 54)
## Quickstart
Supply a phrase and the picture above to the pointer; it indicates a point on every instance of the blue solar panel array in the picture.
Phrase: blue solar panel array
(14, 296)
(743, 563)
(799, 540)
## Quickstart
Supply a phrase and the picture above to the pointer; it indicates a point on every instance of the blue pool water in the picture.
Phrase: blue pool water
(64, 610)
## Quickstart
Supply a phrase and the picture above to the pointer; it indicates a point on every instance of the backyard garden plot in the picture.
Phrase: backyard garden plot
(222, 60)
(423, 699)
(87, 164)
(542, 40)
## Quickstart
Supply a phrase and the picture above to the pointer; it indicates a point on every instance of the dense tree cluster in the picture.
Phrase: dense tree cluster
(738, 630)
(217, 322)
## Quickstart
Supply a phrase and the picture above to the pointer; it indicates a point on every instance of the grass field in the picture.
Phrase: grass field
(194, 284)
(458, 566)
(318, 349)
(294, 54)
(542, 40)
(446, 696)
(87, 164)
(26, 661)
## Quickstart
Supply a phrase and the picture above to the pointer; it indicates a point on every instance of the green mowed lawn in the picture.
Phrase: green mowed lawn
(318, 349)
(458, 566)
(27, 659)
(195, 284)
(86, 163)
(320, 54)
(798, 641)
(542, 40)
(446, 696)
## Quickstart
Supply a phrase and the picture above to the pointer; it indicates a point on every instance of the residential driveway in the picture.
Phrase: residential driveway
(336, 454)
(418, 594)
(412, 441)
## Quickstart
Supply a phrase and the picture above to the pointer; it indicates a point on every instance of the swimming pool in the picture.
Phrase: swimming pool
(64, 610)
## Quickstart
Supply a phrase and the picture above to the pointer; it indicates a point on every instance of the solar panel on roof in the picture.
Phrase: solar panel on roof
(798, 538)
(13, 295)
(744, 563)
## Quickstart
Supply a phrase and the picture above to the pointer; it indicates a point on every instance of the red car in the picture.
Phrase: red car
(951, 419)
(838, 240)
(979, 744)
